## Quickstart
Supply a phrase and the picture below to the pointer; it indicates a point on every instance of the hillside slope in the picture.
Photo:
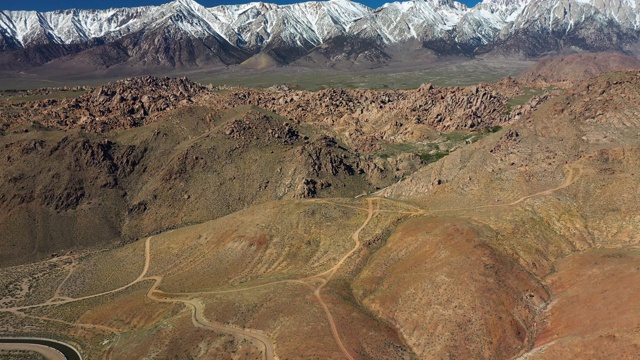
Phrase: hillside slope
(519, 244)
(146, 154)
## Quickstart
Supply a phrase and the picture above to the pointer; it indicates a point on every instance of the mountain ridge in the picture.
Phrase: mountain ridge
(231, 34)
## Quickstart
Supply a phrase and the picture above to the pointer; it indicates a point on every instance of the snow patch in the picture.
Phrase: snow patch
(254, 24)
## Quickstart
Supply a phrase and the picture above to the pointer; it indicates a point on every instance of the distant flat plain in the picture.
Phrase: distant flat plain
(447, 71)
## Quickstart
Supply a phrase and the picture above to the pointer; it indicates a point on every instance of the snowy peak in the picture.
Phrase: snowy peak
(565, 14)
(249, 24)
(504, 3)
(70, 26)
(188, 3)
(253, 26)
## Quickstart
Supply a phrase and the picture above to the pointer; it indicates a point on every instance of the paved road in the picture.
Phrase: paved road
(50, 349)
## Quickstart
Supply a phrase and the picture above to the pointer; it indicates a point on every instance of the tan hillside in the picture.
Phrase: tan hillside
(246, 232)
(570, 69)
(147, 154)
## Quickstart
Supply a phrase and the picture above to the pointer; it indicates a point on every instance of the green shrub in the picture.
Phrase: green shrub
(429, 158)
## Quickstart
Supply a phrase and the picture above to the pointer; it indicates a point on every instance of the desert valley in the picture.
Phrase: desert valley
(244, 182)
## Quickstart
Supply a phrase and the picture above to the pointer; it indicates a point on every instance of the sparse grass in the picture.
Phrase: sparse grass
(30, 284)
(106, 270)
(429, 158)
(459, 74)
(491, 130)
(529, 93)
(443, 72)
(442, 144)
(21, 95)
(400, 148)
(226, 254)
(21, 355)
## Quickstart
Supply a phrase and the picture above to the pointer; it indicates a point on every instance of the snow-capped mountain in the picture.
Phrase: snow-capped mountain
(233, 33)
(483, 23)
(594, 25)
(563, 15)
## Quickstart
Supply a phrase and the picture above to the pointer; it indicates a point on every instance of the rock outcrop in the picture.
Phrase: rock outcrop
(121, 105)
(361, 118)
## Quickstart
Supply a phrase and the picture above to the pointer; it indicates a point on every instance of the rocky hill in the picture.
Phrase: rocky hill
(220, 222)
(556, 183)
(121, 105)
(142, 154)
(363, 117)
(569, 70)
(360, 117)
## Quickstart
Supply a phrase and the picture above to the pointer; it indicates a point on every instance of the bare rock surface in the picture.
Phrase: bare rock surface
(362, 118)
(444, 109)
(115, 106)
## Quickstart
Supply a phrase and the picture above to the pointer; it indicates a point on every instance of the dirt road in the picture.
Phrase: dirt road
(197, 311)
(314, 282)
(326, 276)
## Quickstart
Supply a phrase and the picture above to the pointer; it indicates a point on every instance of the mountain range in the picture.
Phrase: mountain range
(183, 33)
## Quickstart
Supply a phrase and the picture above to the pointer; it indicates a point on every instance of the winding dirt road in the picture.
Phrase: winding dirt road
(574, 171)
(314, 282)
(67, 300)
(569, 179)
(197, 311)
(311, 281)
(326, 276)
(196, 307)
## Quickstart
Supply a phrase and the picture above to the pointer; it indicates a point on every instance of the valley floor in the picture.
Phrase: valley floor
(453, 71)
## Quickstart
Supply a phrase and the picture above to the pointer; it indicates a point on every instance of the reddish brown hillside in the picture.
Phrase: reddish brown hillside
(565, 70)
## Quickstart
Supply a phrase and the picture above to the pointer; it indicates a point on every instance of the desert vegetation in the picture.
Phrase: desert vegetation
(223, 222)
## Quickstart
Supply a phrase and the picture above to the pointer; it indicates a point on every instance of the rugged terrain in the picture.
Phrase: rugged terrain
(117, 161)
(183, 34)
(172, 219)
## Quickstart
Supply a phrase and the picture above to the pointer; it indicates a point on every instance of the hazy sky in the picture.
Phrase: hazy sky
(46, 5)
